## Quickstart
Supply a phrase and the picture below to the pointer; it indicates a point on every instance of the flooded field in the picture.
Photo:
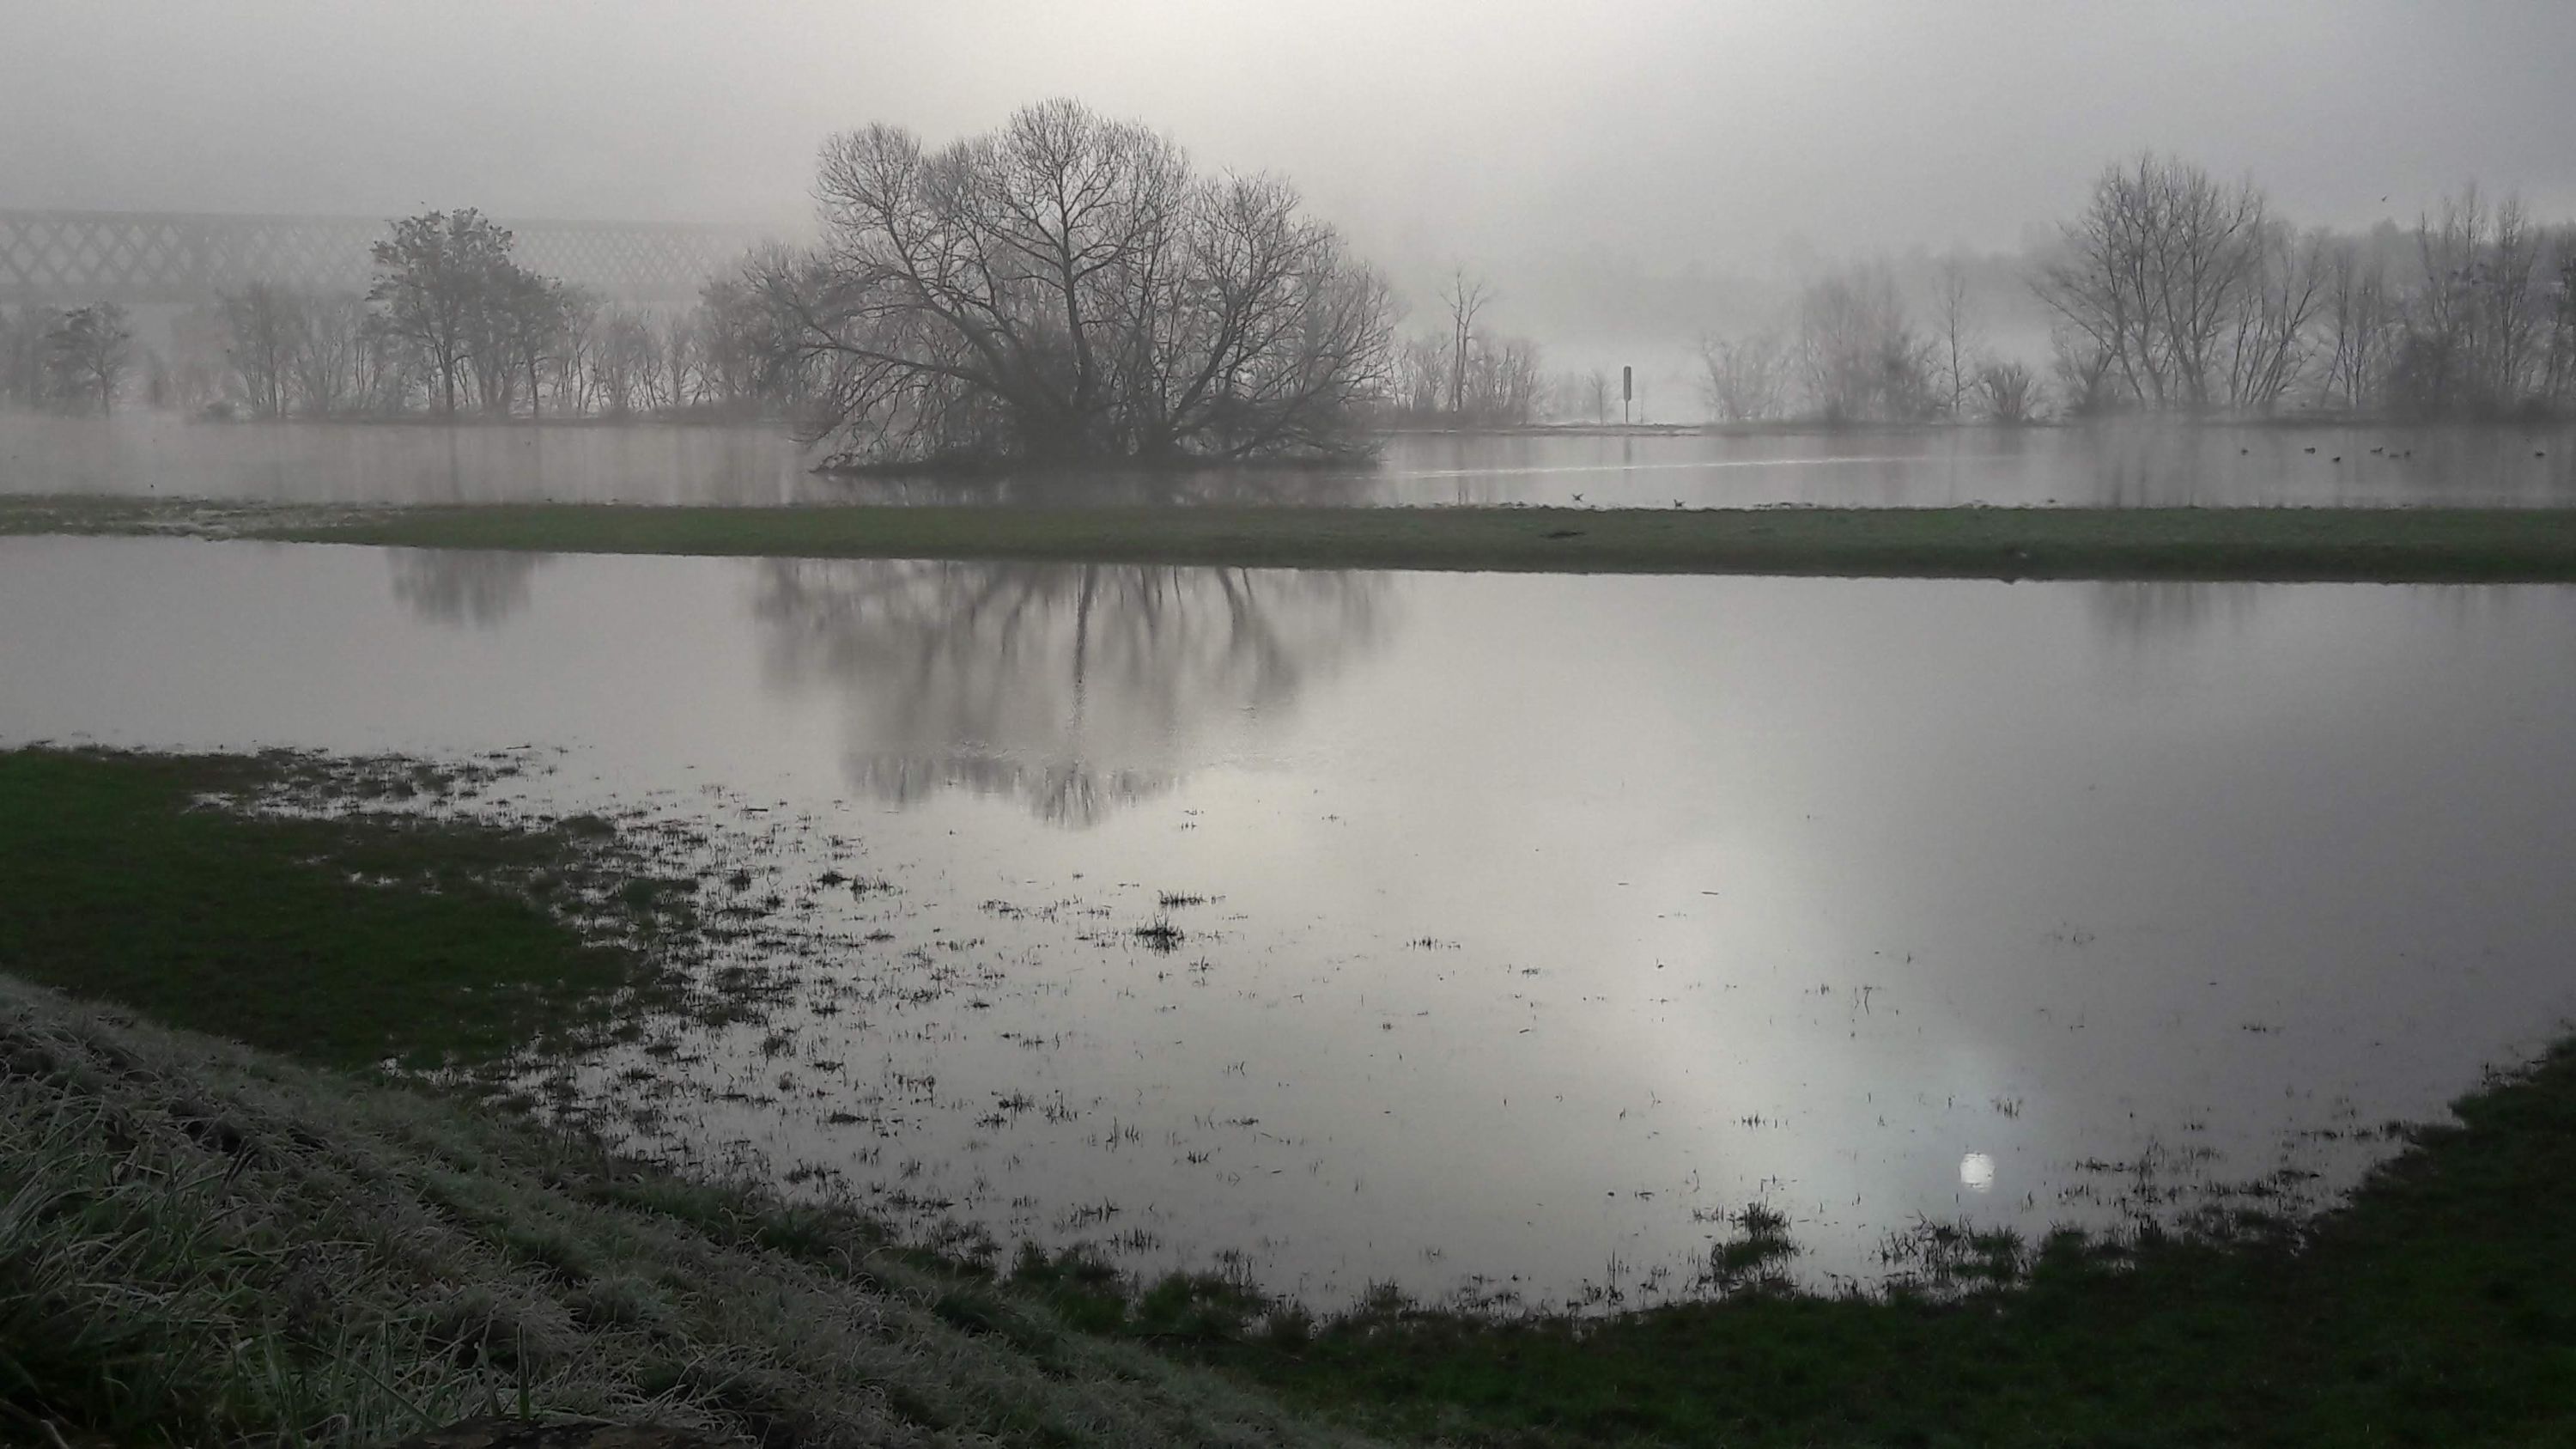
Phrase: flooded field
(757, 465)
(1478, 933)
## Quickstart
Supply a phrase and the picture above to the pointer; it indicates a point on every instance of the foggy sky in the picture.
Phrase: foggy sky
(1659, 134)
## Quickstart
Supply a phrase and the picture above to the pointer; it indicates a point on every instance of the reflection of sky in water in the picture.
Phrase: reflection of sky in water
(147, 454)
(1553, 916)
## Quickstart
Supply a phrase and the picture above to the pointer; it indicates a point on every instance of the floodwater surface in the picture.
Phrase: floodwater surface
(2136, 465)
(1520, 928)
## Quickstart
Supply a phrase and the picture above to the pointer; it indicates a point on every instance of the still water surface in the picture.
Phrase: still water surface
(1549, 919)
(159, 454)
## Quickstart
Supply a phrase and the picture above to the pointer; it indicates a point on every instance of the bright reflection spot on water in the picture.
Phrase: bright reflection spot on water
(1977, 1172)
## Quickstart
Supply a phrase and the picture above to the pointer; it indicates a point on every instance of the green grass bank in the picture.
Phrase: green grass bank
(231, 894)
(208, 1242)
(2358, 544)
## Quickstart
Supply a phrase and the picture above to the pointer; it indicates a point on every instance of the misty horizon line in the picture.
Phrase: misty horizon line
(1795, 249)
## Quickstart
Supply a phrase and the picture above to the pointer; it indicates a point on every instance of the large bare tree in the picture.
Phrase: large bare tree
(263, 328)
(1069, 288)
(1957, 339)
(2266, 345)
(2009, 391)
(436, 276)
(2558, 356)
(1466, 298)
(1746, 376)
(2359, 318)
(2476, 330)
(531, 326)
(1858, 351)
(2154, 272)
(89, 350)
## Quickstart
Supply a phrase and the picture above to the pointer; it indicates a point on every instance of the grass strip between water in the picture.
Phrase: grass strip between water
(201, 1242)
(2397, 545)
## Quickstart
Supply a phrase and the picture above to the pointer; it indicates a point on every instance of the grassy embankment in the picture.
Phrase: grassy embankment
(2393, 544)
(202, 1242)
(205, 1245)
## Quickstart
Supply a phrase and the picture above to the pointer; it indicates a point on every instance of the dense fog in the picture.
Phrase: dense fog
(1609, 172)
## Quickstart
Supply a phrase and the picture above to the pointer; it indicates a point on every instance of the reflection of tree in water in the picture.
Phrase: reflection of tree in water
(1066, 792)
(2155, 465)
(2164, 611)
(1074, 687)
(450, 587)
(1272, 485)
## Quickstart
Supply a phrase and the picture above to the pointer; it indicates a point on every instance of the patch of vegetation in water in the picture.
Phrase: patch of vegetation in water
(267, 899)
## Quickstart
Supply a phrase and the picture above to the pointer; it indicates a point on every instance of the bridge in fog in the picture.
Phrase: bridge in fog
(135, 257)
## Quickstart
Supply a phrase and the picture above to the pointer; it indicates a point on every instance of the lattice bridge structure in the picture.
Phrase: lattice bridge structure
(71, 258)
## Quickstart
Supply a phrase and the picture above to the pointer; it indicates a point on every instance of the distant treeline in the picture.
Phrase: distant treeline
(2174, 293)
(452, 325)
(1180, 316)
